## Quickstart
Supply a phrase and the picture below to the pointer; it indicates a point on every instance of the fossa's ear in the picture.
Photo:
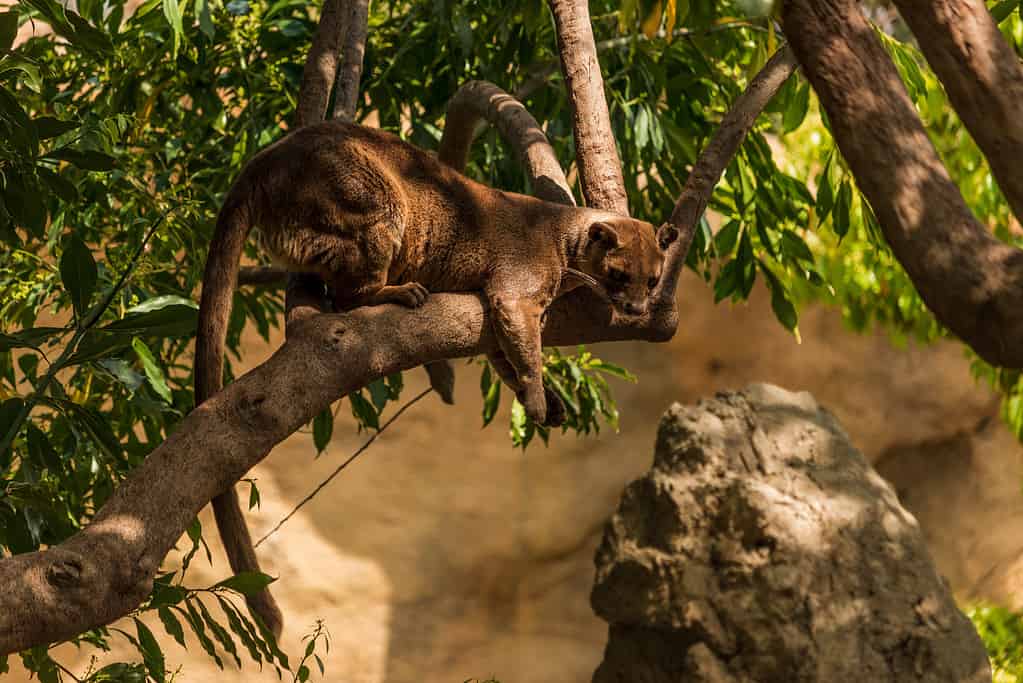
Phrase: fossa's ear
(666, 235)
(605, 235)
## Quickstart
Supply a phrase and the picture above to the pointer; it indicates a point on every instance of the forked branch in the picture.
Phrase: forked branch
(972, 282)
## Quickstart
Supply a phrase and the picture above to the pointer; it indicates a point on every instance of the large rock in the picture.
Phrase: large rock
(762, 547)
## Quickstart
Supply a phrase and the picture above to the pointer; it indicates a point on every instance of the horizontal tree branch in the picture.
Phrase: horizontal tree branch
(105, 571)
(972, 282)
(476, 100)
(982, 76)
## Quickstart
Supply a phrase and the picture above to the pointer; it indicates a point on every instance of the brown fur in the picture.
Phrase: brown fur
(382, 221)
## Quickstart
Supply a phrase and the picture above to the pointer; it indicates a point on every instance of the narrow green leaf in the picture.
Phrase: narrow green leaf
(50, 127)
(202, 9)
(8, 30)
(1002, 10)
(247, 583)
(195, 621)
(61, 186)
(843, 204)
(174, 320)
(172, 11)
(79, 273)
(171, 625)
(152, 369)
(253, 495)
(378, 393)
(152, 655)
(220, 633)
(798, 105)
(234, 621)
(363, 411)
(323, 428)
(32, 337)
(97, 345)
(89, 160)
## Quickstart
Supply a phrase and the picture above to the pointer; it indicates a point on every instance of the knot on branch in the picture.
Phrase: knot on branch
(65, 573)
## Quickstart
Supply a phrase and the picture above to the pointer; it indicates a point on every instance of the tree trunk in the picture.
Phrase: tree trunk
(972, 282)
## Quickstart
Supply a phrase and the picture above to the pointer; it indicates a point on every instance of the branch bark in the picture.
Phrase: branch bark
(716, 156)
(349, 74)
(321, 64)
(477, 100)
(105, 571)
(982, 76)
(600, 169)
(972, 282)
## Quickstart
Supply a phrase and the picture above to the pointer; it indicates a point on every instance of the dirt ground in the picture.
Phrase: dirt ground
(444, 554)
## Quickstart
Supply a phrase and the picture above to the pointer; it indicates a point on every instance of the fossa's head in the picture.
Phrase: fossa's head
(626, 256)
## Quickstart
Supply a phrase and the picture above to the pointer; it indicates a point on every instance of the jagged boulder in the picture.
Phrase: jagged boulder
(763, 548)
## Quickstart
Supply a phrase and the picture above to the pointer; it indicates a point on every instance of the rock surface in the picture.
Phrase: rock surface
(762, 547)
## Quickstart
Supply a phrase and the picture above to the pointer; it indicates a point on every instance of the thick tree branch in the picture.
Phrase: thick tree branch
(349, 75)
(972, 282)
(477, 100)
(716, 156)
(106, 570)
(600, 169)
(982, 76)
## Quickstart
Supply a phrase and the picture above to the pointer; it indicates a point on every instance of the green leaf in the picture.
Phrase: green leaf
(174, 320)
(1002, 10)
(8, 30)
(24, 131)
(202, 8)
(323, 428)
(50, 127)
(9, 411)
(89, 160)
(363, 411)
(247, 583)
(152, 369)
(32, 338)
(29, 71)
(97, 428)
(490, 386)
(794, 247)
(172, 11)
(97, 345)
(61, 186)
(195, 621)
(840, 220)
(234, 621)
(781, 304)
(253, 495)
(171, 625)
(795, 111)
(220, 633)
(79, 274)
(160, 302)
(726, 238)
(152, 655)
(40, 450)
(378, 393)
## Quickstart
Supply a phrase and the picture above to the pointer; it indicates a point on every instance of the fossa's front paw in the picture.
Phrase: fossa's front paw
(412, 295)
(535, 404)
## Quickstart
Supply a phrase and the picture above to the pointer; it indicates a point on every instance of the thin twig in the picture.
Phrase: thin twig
(345, 464)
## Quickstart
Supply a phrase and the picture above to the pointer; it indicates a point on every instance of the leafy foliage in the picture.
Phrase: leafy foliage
(1002, 633)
